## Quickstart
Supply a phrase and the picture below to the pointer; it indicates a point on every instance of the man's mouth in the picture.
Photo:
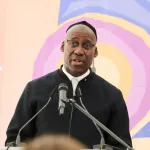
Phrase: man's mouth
(77, 62)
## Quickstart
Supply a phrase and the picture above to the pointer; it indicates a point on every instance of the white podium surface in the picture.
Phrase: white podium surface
(11, 148)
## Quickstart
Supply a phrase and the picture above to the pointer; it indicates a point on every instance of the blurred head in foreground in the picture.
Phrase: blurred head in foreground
(54, 142)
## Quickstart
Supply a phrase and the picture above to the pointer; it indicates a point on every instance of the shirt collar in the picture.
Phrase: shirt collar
(79, 77)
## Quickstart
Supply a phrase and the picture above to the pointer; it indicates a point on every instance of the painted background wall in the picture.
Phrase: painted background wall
(31, 32)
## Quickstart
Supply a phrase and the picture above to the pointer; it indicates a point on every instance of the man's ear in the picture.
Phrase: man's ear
(96, 52)
(62, 46)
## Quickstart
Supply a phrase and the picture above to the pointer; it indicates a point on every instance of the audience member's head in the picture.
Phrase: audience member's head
(54, 142)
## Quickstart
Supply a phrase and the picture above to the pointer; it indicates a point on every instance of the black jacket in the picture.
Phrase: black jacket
(102, 100)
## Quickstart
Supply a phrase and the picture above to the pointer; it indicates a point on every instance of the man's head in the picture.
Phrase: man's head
(79, 48)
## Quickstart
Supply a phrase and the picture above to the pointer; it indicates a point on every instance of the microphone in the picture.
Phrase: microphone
(78, 92)
(97, 123)
(79, 95)
(18, 139)
(62, 89)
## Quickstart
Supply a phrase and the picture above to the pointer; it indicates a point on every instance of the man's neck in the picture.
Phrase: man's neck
(79, 77)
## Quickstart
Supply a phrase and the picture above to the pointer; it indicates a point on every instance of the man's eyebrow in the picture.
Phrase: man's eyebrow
(77, 38)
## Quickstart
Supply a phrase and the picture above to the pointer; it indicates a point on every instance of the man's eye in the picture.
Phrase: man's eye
(87, 45)
(75, 43)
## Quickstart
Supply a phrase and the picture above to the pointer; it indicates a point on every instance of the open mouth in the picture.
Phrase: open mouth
(77, 62)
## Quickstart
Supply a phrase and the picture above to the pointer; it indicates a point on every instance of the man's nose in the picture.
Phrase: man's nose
(79, 50)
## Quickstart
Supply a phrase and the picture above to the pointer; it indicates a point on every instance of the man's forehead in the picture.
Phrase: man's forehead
(80, 30)
(85, 23)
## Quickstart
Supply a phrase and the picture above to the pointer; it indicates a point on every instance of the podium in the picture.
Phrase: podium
(11, 148)
(95, 147)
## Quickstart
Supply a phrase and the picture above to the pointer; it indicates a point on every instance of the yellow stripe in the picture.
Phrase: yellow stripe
(119, 59)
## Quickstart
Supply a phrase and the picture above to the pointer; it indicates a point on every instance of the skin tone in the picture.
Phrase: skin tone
(78, 60)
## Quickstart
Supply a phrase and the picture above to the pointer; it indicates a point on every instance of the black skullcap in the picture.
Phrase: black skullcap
(84, 23)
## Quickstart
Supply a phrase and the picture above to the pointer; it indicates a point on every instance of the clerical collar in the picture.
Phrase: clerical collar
(79, 77)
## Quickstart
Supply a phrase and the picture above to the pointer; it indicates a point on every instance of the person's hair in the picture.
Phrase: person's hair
(84, 23)
(54, 142)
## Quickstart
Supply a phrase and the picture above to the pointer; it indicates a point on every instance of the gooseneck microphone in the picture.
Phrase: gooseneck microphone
(62, 89)
(18, 139)
(79, 95)
(97, 123)
(85, 112)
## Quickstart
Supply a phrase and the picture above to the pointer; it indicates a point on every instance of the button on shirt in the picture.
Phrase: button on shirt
(75, 80)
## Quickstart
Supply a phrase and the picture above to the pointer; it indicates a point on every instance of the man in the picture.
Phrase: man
(100, 98)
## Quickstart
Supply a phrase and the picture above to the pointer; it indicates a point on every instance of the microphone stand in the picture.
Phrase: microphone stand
(18, 138)
(72, 101)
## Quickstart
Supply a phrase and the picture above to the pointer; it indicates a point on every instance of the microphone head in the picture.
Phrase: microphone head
(62, 86)
(18, 140)
(78, 92)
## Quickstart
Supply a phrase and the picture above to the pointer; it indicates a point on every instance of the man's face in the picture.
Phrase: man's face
(79, 49)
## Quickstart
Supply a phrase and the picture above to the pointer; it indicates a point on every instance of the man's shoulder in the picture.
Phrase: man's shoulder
(46, 76)
(50, 77)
